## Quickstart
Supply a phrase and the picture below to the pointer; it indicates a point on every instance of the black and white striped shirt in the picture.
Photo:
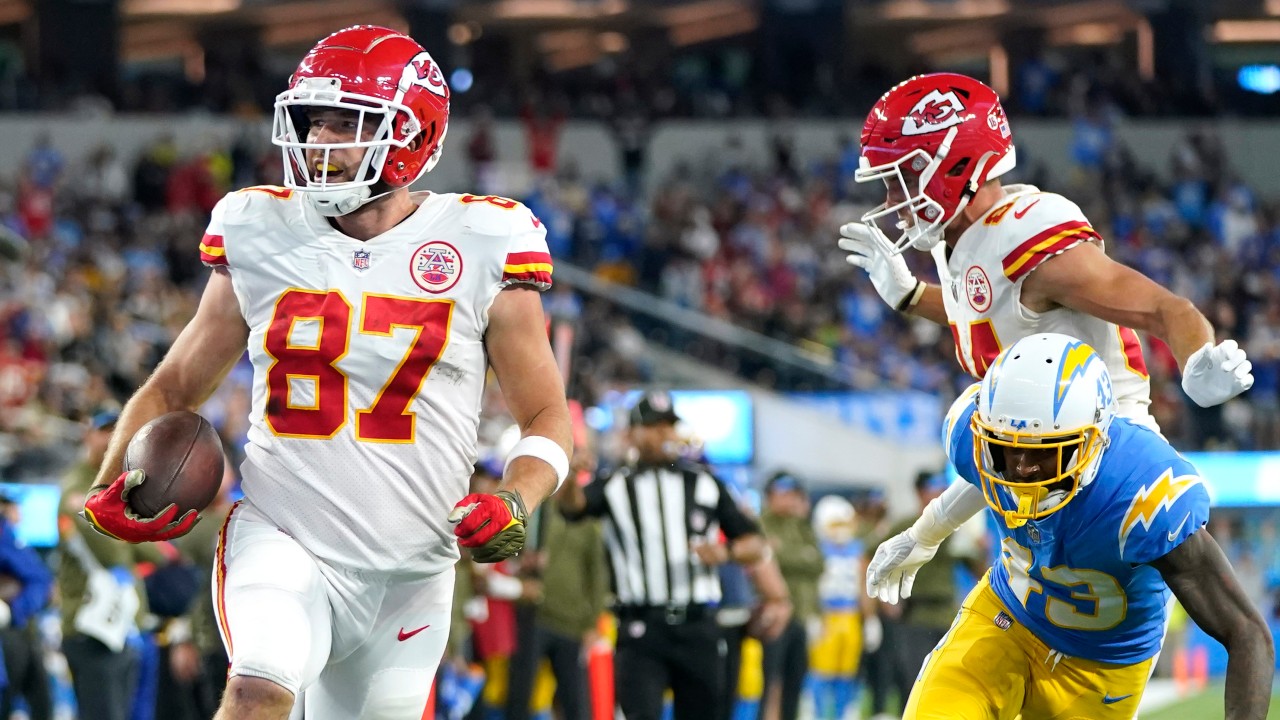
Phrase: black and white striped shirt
(652, 514)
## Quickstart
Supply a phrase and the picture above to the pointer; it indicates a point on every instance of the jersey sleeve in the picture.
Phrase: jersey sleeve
(213, 250)
(1165, 510)
(1040, 226)
(733, 521)
(528, 261)
(957, 437)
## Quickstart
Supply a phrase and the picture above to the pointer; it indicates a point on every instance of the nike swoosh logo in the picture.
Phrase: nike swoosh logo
(406, 635)
(1173, 534)
(1108, 700)
(1017, 214)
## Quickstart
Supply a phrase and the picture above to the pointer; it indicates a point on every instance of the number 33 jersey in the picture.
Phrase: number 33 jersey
(982, 280)
(1081, 579)
(368, 364)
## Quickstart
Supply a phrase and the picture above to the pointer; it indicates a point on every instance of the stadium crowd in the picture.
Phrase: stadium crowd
(98, 272)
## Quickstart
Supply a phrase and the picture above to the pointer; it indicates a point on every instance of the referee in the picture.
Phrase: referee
(662, 520)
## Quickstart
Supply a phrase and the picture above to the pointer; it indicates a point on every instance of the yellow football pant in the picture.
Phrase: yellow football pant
(981, 672)
(838, 651)
(495, 685)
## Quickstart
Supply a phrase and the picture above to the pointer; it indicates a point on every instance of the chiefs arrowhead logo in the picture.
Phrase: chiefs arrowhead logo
(422, 71)
(935, 111)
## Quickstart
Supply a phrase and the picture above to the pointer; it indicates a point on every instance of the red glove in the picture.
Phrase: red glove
(491, 525)
(107, 510)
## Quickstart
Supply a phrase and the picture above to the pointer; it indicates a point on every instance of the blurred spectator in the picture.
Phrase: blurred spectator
(26, 587)
(193, 661)
(101, 599)
(104, 178)
(542, 134)
(560, 623)
(482, 153)
(44, 164)
(836, 636)
(151, 174)
(785, 521)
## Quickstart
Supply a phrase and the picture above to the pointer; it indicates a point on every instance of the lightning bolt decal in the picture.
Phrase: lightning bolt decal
(1075, 359)
(1151, 499)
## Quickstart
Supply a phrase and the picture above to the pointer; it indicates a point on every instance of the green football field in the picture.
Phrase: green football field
(1205, 706)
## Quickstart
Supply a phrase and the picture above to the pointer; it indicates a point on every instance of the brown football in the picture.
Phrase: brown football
(182, 456)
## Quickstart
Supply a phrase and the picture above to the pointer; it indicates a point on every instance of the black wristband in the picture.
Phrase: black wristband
(910, 299)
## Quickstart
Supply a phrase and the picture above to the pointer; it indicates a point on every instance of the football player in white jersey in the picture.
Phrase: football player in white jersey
(371, 315)
(1013, 261)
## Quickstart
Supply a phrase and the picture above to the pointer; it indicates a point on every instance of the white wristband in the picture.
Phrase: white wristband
(546, 450)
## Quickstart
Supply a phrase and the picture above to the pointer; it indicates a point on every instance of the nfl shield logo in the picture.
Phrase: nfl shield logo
(360, 260)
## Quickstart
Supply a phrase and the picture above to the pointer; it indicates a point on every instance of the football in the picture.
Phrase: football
(182, 456)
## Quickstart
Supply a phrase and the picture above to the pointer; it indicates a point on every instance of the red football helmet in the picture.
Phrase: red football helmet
(940, 137)
(388, 79)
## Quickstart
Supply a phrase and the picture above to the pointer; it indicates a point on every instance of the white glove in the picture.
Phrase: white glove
(893, 568)
(1215, 374)
(872, 633)
(6, 615)
(870, 250)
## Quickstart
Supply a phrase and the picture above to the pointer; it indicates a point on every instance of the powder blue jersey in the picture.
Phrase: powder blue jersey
(840, 587)
(1079, 578)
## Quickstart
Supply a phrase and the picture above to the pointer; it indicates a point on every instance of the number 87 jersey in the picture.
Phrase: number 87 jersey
(982, 278)
(368, 364)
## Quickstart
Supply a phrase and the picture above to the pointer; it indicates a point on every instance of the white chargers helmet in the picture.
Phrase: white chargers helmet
(1041, 427)
(833, 518)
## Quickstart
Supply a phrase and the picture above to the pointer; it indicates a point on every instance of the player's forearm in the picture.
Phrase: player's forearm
(532, 478)
(1250, 662)
(145, 405)
(1183, 327)
(535, 478)
(930, 305)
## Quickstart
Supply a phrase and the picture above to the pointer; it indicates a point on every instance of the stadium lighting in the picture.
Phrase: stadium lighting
(1261, 79)
(959, 9)
(461, 80)
(1232, 31)
(179, 7)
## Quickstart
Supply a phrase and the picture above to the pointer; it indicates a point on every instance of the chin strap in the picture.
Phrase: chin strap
(334, 203)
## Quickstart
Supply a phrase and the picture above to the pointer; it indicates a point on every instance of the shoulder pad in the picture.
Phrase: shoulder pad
(959, 409)
(254, 199)
(1033, 227)
(494, 215)
(1162, 512)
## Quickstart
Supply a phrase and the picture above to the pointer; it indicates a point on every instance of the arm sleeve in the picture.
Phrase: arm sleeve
(733, 521)
(1163, 513)
(528, 261)
(25, 565)
(947, 512)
